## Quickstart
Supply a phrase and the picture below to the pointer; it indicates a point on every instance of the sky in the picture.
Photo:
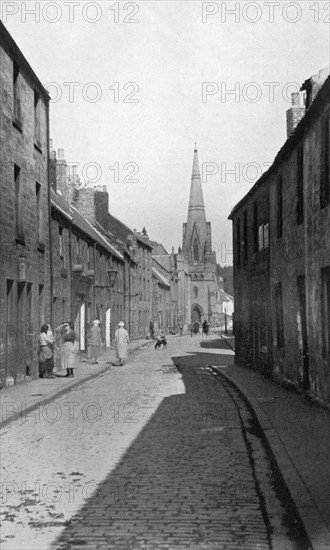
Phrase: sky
(135, 84)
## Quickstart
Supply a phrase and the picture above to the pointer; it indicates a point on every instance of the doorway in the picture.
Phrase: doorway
(80, 324)
(301, 285)
(107, 328)
(196, 314)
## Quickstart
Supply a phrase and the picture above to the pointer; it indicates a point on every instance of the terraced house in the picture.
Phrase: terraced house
(281, 236)
(25, 266)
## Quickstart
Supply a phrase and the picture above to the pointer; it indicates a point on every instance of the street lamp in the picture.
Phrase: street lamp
(112, 272)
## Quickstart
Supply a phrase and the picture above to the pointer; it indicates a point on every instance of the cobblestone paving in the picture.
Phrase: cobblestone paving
(145, 457)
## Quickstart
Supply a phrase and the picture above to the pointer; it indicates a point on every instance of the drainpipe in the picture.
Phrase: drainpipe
(71, 273)
(50, 239)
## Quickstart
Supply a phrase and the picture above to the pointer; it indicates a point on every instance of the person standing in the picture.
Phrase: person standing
(46, 361)
(68, 348)
(196, 327)
(94, 341)
(152, 329)
(121, 341)
(205, 328)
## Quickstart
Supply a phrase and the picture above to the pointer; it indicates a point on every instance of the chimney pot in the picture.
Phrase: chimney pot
(60, 154)
(295, 98)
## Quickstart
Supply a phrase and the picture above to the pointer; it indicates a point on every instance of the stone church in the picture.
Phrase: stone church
(205, 295)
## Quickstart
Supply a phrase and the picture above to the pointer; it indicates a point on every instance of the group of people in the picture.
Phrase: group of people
(46, 349)
(194, 328)
(69, 347)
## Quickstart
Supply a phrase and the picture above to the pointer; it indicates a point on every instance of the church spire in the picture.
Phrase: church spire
(196, 201)
(195, 231)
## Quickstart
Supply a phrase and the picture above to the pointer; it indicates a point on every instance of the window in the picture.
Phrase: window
(195, 251)
(78, 253)
(279, 207)
(37, 127)
(255, 227)
(16, 96)
(238, 242)
(325, 162)
(61, 244)
(41, 305)
(245, 238)
(195, 291)
(39, 215)
(279, 315)
(325, 312)
(300, 185)
(263, 236)
(18, 205)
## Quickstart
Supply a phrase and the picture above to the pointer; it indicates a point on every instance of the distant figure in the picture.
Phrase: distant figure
(68, 348)
(121, 341)
(196, 327)
(46, 359)
(94, 341)
(205, 328)
(181, 329)
(152, 329)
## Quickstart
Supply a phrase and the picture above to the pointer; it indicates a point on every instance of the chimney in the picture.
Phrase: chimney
(93, 204)
(295, 114)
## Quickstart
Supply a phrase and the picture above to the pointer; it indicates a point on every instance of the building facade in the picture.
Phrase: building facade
(85, 261)
(26, 262)
(291, 206)
(197, 250)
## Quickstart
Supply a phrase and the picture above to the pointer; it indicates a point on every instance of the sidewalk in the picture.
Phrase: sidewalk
(298, 434)
(19, 400)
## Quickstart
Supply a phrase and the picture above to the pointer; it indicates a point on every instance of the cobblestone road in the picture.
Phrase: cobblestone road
(159, 454)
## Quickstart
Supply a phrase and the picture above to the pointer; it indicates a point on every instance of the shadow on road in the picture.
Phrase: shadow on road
(177, 484)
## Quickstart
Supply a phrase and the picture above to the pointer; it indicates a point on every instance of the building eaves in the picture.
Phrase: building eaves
(7, 40)
(78, 220)
(158, 262)
(117, 227)
(160, 278)
(319, 102)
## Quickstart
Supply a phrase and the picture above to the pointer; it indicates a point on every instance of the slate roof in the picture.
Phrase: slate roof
(160, 277)
(122, 231)
(78, 220)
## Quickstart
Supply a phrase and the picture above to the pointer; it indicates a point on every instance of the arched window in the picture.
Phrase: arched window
(195, 291)
(195, 251)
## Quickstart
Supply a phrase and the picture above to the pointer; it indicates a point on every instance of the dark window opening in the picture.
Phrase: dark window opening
(238, 242)
(300, 185)
(325, 312)
(325, 164)
(279, 315)
(16, 95)
(245, 238)
(279, 207)
(195, 251)
(255, 227)
(37, 126)
(19, 227)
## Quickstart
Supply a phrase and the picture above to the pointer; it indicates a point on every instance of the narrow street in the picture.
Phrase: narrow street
(160, 453)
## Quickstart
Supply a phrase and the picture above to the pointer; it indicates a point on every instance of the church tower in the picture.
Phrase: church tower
(197, 250)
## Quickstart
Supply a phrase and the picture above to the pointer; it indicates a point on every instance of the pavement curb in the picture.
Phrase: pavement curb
(52, 397)
(310, 516)
(59, 393)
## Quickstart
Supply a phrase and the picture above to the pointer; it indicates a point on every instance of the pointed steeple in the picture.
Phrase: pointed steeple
(195, 232)
(196, 201)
